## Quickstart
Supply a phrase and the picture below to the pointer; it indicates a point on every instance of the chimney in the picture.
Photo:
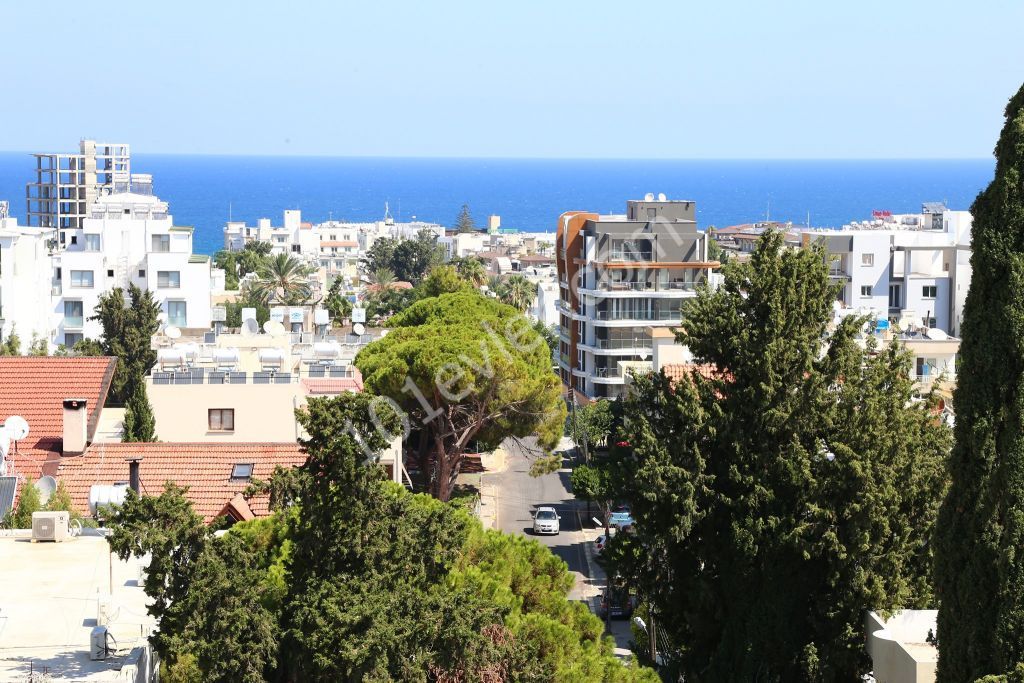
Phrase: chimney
(133, 475)
(76, 420)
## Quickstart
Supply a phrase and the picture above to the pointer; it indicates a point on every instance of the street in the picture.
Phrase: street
(518, 495)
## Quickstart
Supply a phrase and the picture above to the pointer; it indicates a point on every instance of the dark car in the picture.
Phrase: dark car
(616, 602)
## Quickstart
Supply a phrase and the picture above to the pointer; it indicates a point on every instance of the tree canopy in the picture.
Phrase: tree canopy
(128, 328)
(409, 260)
(282, 279)
(464, 221)
(779, 499)
(979, 567)
(465, 368)
(355, 579)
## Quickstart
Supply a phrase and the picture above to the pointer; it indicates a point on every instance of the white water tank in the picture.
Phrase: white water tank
(106, 494)
(326, 350)
(271, 358)
(224, 358)
(170, 358)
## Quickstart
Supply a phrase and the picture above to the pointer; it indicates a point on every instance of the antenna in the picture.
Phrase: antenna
(46, 486)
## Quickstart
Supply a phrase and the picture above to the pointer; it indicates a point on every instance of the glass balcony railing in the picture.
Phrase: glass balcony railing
(639, 315)
(638, 343)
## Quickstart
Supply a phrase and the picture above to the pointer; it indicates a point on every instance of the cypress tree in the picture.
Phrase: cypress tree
(139, 423)
(979, 564)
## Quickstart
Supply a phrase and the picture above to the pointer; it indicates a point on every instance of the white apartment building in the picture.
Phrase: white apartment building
(25, 273)
(128, 238)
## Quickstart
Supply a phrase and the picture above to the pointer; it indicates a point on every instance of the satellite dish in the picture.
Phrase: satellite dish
(273, 327)
(936, 334)
(172, 332)
(250, 328)
(5, 445)
(359, 329)
(17, 427)
(46, 486)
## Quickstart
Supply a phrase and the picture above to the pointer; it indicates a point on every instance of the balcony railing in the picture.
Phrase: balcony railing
(607, 372)
(639, 343)
(631, 256)
(650, 286)
(638, 315)
(193, 376)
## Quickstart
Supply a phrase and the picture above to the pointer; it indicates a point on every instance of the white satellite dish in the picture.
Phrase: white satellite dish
(5, 445)
(359, 329)
(17, 427)
(273, 327)
(936, 334)
(46, 486)
(172, 332)
(250, 328)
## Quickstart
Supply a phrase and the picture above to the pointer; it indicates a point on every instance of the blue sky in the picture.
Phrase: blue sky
(783, 79)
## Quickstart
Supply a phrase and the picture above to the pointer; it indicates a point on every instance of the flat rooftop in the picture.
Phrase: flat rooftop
(48, 607)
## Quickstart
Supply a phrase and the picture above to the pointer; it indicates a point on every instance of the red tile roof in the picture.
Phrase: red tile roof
(332, 386)
(205, 468)
(676, 371)
(35, 387)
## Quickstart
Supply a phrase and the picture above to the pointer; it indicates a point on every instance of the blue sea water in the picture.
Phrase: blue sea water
(528, 194)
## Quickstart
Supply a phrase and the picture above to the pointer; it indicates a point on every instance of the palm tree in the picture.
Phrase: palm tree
(384, 278)
(473, 271)
(282, 279)
(517, 292)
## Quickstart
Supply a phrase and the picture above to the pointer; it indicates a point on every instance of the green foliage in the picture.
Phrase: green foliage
(464, 221)
(442, 280)
(281, 279)
(787, 496)
(128, 328)
(590, 483)
(11, 346)
(85, 347)
(517, 292)
(979, 572)
(590, 424)
(139, 422)
(226, 260)
(715, 250)
(472, 270)
(245, 300)
(384, 277)
(464, 367)
(360, 581)
(409, 260)
(384, 303)
(550, 335)
(28, 502)
(1014, 676)
(337, 303)
(39, 346)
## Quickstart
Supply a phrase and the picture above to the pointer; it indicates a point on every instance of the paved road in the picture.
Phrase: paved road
(519, 495)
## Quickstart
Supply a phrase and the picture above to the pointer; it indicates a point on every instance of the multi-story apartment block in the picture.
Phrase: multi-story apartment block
(66, 185)
(620, 276)
(25, 272)
(129, 238)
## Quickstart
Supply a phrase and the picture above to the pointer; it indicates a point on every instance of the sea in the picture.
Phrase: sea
(205, 191)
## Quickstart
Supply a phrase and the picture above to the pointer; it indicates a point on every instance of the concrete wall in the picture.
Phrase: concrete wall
(897, 647)
(263, 412)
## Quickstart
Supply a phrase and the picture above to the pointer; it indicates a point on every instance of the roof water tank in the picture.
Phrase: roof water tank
(170, 358)
(326, 350)
(271, 357)
(225, 357)
(106, 494)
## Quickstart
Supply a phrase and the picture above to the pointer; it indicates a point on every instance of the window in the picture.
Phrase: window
(222, 420)
(110, 272)
(176, 313)
(926, 367)
(929, 322)
(74, 314)
(297, 248)
(81, 278)
(92, 242)
(161, 242)
(929, 292)
(72, 338)
(170, 279)
(895, 296)
(581, 360)
(580, 331)
(865, 290)
(142, 273)
(867, 259)
(242, 470)
(74, 239)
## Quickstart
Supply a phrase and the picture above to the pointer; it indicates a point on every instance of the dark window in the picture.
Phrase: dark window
(241, 470)
(110, 272)
(74, 239)
(221, 419)
(142, 273)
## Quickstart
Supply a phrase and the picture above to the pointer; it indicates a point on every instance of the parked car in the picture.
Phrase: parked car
(601, 541)
(545, 520)
(621, 516)
(616, 602)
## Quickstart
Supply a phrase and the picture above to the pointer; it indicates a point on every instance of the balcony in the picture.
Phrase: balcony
(653, 316)
(631, 256)
(637, 343)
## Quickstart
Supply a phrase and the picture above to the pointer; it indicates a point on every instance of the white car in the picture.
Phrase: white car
(545, 520)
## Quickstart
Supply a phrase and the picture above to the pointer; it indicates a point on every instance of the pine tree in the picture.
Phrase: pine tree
(28, 502)
(979, 573)
(464, 221)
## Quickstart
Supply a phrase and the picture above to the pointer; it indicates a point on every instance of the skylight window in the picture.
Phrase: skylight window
(242, 470)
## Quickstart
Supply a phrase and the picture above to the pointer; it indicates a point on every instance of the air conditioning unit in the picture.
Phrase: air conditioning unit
(50, 526)
(98, 648)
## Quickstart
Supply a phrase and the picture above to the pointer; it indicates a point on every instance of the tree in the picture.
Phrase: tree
(441, 280)
(39, 346)
(385, 303)
(139, 423)
(85, 347)
(783, 496)
(590, 424)
(979, 572)
(412, 259)
(127, 332)
(246, 299)
(28, 502)
(11, 346)
(472, 270)
(715, 250)
(226, 260)
(384, 277)
(282, 279)
(517, 292)
(465, 368)
(550, 334)
(381, 254)
(464, 221)
(337, 303)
